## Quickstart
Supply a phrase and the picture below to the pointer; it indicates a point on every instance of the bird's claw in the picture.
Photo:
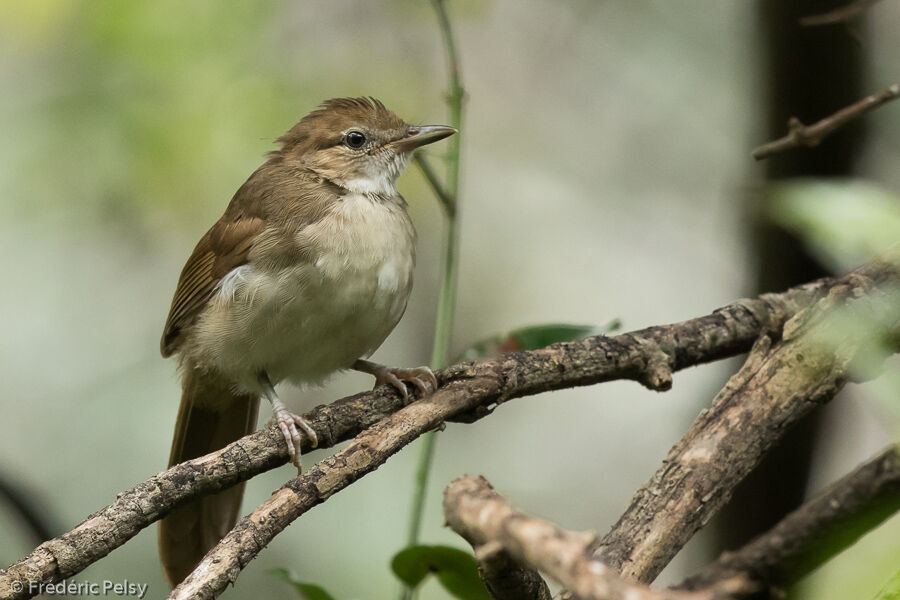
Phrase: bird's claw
(421, 377)
(288, 423)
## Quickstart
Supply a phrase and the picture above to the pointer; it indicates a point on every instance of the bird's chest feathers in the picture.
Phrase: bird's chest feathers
(364, 246)
(335, 300)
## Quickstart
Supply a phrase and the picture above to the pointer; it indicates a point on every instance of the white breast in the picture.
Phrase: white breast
(305, 321)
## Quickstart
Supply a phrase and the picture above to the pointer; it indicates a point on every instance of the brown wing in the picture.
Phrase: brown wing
(224, 247)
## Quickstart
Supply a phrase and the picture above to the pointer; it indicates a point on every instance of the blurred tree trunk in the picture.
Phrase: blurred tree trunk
(807, 72)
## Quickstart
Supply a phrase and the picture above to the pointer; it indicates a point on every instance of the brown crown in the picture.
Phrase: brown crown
(323, 127)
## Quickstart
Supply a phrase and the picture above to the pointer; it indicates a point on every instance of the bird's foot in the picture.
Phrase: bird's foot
(290, 426)
(421, 377)
(288, 423)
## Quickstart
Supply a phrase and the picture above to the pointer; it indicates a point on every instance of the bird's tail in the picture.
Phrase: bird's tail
(210, 417)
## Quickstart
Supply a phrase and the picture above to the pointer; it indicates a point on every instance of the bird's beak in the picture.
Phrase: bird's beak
(419, 135)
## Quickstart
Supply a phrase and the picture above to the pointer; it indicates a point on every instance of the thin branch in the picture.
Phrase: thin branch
(367, 452)
(446, 309)
(839, 15)
(819, 529)
(31, 510)
(812, 135)
(147, 502)
(480, 515)
(644, 356)
(780, 383)
(448, 202)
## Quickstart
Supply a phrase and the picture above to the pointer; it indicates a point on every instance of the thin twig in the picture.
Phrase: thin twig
(839, 15)
(640, 355)
(32, 511)
(448, 202)
(812, 135)
(479, 514)
(813, 533)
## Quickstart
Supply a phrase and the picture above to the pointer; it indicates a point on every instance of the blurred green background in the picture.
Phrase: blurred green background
(606, 162)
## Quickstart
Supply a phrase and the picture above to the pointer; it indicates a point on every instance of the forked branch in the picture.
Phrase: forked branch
(812, 135)
(785, 377)
(480, 515)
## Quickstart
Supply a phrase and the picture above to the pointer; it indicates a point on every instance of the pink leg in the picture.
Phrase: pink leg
(288, 423)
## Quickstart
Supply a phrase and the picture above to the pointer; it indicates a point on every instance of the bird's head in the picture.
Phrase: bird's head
(356, 143)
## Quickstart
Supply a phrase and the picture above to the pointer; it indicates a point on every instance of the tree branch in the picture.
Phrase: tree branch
(812, 135)
(369, 450)
(812, 534)
(507, 579)
(505, 576)
(479, 514)
(646, 356)
(781, 382)
(758, 404)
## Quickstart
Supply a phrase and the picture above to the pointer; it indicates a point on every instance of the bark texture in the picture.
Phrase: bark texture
(507, 579)
(782, 381)
(806, 72)
(364, 454)
(816, 531)
(469, 392)
(479, 514)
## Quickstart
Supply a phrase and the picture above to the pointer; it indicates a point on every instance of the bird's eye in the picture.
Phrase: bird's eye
(354, 139)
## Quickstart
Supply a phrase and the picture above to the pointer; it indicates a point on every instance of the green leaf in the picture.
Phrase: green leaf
(308, 591)
(533, 337)
(455, 570)
(844, 223)
(891, 590)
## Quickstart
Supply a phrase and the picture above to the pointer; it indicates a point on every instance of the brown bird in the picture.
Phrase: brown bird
(306, 273)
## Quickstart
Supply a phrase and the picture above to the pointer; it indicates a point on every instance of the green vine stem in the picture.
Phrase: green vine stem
(449, 197)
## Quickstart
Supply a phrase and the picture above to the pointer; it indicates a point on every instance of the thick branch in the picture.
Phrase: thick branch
(479, 514)
(780, 383)
(812, 135)
(816, 531)
(645, 355)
